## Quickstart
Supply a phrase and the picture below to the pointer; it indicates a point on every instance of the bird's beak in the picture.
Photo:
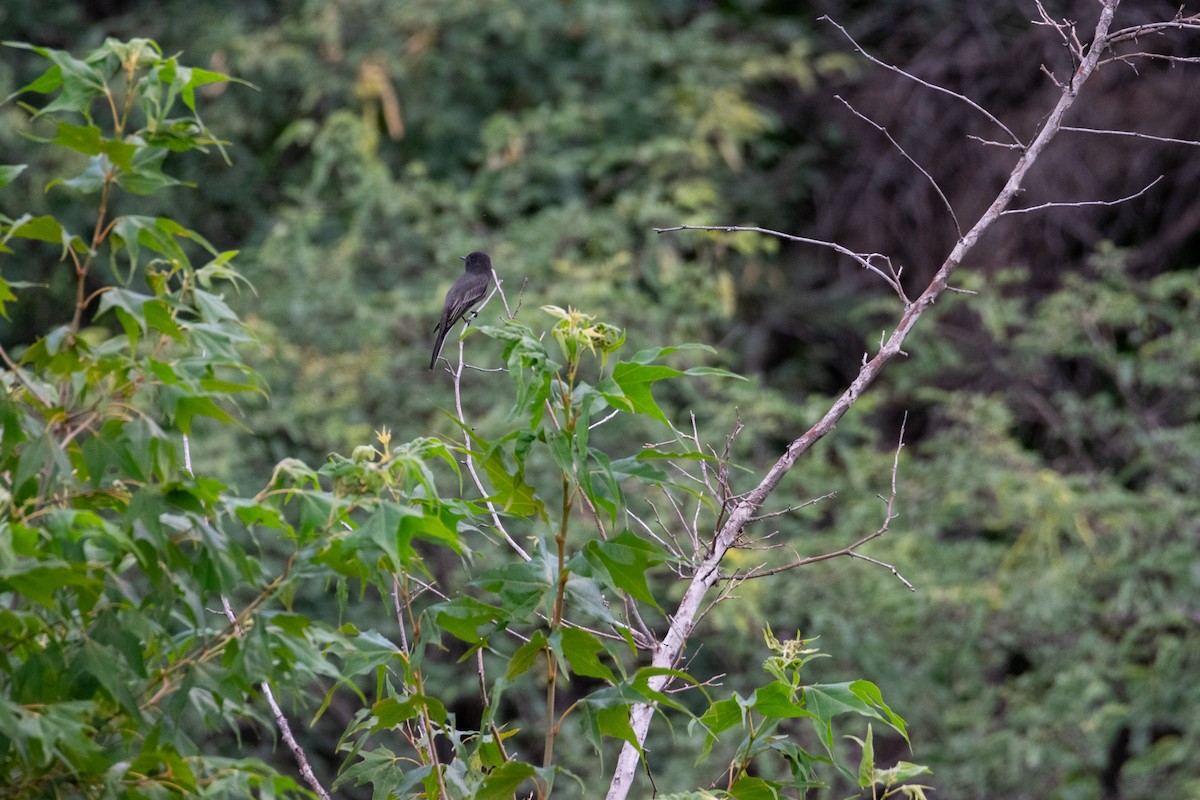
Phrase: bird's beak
(464, 258)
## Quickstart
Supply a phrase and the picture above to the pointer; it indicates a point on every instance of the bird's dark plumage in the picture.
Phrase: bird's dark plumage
(466, 292)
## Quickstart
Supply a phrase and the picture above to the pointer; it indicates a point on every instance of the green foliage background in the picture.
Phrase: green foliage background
(1047, 508)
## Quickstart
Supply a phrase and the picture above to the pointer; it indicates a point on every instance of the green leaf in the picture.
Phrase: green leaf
(641, 684)
(158, 234)
(828, 700)
(522, 585)
(6, 296)
(753, 789)
(866, 764)
(723, 714)
(510, 491)
(464, 617)
(869, 693)
(384, 530)
(613, 722)
(624, 560)
(9, 172)
(582, 651)
(390, 712)
(144, 174)
(504, 780)
(774, 701)
(195, 77)
(634, 381)
(80, 82)
(391, 775)
(158, 316)
(91, 180)
(525, 656)
(42, 229)
(39, 581)
(81, 138)
(199, 406)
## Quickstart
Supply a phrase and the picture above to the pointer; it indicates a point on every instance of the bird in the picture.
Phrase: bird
(466, 292)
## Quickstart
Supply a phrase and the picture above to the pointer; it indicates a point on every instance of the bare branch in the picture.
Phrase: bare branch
(889, 567)
(911, 160)
(1135, 134)
(866, 260)
(924, 83)
(991, 143)
(285, 730)
(483, 695)
(851, 551)
(603, 420)
(499, 289)
(1129, 57)
(1079, 203)
(1180, 22)
(470, 460)
(790, 509)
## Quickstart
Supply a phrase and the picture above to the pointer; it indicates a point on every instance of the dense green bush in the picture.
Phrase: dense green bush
(148, 607)
(1046, 513)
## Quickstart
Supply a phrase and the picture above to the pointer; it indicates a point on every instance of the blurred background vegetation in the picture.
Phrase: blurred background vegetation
(1048, 513)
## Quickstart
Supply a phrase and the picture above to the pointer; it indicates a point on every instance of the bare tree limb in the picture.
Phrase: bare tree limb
(707, 573)
(462, 420)
(1078, 203)
(926, 84)
(851, 551)
(1135, 134)
(281, 721)
(285, 730)
(911, 160)
(1180, 22)
(790, 509)
(866, 260)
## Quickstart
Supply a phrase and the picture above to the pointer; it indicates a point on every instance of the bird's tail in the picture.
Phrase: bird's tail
(437, 346)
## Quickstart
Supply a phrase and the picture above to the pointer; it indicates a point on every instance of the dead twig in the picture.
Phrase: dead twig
(285, 729)
(1134, 134)
(911, 160)
(866, 260)
(1080, 203)
(926, 84)
(851, 551)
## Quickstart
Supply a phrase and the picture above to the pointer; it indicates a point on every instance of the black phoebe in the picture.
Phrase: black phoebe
(463, 295)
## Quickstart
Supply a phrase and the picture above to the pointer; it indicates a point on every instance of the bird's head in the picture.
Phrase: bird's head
(478, 261)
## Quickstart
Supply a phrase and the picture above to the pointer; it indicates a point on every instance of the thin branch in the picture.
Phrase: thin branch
(851, 551)
(926, 84)
(790, 509)
(483, 695)
(889, 567)
(911, 160)
(484, 493)
(1079, 203)
(499, 288)
(991, 143)
(603, 420)
(1180, 22)
(285, 729)
(1134, 134)
(866, 260)
(1127, 57)
(20, 376)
